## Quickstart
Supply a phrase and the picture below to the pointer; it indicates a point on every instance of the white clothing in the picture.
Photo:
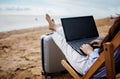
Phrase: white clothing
(79, 62)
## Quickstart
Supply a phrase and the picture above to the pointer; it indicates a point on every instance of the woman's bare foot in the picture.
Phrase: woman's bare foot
(51, 23)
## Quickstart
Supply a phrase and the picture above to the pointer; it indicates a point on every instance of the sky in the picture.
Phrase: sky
(97, 8)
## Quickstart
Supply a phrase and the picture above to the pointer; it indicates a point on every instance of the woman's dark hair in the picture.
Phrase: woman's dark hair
(115, 28)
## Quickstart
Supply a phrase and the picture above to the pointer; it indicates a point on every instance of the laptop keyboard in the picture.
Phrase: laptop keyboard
(78, 43)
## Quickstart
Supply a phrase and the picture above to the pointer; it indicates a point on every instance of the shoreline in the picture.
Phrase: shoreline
(21, 31)
(24, 30)
(99, 24)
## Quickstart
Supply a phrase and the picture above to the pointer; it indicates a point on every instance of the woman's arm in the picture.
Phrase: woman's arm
(92, 57)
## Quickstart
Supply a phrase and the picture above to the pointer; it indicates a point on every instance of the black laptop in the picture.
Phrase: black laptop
(79, 31)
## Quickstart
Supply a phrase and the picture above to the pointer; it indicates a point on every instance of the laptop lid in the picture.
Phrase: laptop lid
(76, 28)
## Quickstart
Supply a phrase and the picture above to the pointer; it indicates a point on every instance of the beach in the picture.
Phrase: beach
(20, 51)
(16, 22)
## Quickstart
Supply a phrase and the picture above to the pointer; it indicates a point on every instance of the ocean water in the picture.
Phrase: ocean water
(15, 22)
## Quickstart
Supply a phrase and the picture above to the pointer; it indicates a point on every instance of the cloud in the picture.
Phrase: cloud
(98, 8)
(18, 9)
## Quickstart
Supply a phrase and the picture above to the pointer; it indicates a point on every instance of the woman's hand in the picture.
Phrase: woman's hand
(96, 43)
(87, 49)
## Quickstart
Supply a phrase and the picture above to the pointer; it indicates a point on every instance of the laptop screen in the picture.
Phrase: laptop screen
(76, 28)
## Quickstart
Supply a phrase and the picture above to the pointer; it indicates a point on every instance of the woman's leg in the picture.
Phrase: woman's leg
(73, 57)
(51, 23)
(53, 27)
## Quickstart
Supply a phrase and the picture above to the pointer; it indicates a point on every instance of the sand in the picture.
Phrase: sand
(20, 54)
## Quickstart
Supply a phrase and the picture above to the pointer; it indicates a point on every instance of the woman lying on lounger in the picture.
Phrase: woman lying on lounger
(79, 62)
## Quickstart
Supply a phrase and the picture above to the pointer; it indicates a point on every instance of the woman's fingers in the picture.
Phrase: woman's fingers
(95, 43)
(86, 48)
